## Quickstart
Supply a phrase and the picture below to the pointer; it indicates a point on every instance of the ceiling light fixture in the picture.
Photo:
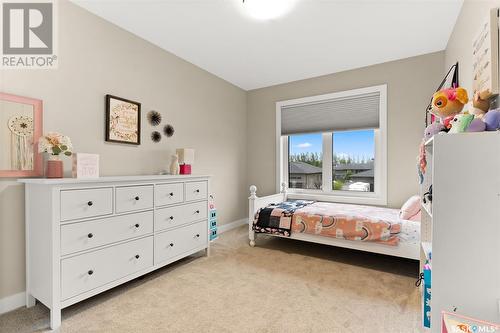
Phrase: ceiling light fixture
(267, 9)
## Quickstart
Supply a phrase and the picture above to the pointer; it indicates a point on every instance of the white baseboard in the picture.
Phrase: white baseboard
(232, 225)
(12, 302)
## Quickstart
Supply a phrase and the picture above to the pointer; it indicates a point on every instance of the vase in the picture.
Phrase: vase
(54, 167)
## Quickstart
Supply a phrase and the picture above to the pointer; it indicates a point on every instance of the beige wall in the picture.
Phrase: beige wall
(97, 58)
(224, 124)
(410, 83)
(459, 46)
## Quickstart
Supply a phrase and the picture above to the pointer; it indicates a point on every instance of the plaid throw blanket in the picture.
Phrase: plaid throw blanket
(277, 218)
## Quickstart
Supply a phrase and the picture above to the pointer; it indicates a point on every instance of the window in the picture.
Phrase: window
(305, 161)
(354, 161)
(333, 146)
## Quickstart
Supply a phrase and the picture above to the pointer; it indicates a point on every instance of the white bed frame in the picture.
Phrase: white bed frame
(407, 249)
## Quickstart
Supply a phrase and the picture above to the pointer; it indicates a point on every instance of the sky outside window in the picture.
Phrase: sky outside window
(354, 143)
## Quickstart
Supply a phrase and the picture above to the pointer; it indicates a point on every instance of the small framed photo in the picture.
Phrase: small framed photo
(85, 166)
(123, 120)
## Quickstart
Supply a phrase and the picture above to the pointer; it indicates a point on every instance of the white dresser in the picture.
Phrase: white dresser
(86, 236)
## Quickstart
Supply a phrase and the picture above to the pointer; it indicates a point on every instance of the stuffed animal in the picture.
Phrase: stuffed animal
(433, 129)
(429, 132)
(476, 125)
(492, 120)
(461, 122)
(480, 104)
(447, 123)
(422, 162)
(449, 102)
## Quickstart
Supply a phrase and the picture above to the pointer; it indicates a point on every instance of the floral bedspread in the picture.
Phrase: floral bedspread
(351, 222)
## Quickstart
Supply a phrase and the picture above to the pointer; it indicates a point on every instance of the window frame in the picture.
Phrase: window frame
(378, 196)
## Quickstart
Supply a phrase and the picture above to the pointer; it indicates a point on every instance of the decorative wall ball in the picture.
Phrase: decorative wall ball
(154, 118)
(168, 130)
(156, 136)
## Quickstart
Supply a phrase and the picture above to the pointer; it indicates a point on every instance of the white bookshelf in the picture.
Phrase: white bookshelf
(462, 225)
(426, 248)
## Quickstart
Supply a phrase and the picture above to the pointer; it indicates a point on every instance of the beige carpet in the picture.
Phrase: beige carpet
(279, 286)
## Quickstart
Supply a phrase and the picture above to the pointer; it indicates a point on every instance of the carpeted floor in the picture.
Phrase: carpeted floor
(279, 286)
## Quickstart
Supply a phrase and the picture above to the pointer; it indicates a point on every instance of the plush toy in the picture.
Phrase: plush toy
(480, 104)
(476, 125)
(429, 132)
(447, 123)
(465, 122)
(422, 162)
(492, 120)
(449, 102)
(433, 129)
(461, 122)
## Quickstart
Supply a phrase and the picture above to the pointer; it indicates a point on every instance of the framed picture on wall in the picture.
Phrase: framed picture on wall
(123, 120)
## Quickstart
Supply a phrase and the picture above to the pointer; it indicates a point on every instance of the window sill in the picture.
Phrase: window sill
(317, 195)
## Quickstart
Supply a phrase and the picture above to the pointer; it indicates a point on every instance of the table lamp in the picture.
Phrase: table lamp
(186, 158)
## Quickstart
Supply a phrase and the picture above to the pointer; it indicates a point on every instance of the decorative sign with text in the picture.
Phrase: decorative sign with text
(485, 56)
(85, 165)
(123, 120)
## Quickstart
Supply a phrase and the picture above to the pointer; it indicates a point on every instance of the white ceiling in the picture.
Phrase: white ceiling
(316, 37)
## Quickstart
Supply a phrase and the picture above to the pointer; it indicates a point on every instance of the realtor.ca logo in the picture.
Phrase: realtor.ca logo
(28, 36)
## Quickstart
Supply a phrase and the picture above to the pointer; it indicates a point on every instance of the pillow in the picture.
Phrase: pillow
(417, 217)
(410, 208)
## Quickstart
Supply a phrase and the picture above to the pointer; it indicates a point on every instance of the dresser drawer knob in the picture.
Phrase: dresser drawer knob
(137, 256)
(90, 203)
(171, 244)
(137, 198)
(90, 272)
(171, 194)
(198, 235)
(90, 235)
(197, 191)
(137, 225)
(197, 212)
(171, 217)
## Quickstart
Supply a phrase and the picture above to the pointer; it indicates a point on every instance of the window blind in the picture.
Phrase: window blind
(345, 113)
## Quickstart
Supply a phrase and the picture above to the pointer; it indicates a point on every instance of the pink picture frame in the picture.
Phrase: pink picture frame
(37, 133)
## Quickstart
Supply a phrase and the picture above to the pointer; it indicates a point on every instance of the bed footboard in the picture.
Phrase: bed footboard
(255, 203)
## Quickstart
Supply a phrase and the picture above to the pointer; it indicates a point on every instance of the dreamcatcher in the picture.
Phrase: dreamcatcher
(21, 128)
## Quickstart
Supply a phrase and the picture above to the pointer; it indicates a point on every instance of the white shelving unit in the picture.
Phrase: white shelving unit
(461, 227)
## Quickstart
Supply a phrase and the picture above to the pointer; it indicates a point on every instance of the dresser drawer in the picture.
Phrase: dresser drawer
(175, 216)
(167, 194)
(91, 270)
(175, 242)
(89, 234)
(196, 191)
(76, 204)
(130, 198)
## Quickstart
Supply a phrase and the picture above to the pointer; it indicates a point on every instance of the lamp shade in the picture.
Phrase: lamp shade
(186, 155)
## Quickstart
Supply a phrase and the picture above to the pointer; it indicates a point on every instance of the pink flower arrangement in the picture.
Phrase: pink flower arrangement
(55, 144)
